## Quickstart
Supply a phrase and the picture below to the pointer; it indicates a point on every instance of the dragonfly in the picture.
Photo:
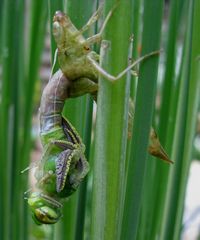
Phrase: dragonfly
(63, 165)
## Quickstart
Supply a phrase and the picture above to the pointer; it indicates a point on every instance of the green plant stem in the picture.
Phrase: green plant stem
(111, 130)
(142, 119)
(83, 113)
(137, 31)
(75, 110)
(5, 103)
(79, 232)
(168, 111)
(184, 133)
(12, 77)
(35, 41)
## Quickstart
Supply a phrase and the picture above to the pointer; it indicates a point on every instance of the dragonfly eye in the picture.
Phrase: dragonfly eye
(44, 209)
(46, 215)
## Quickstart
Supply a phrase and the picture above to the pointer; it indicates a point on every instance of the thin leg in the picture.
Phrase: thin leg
(134, 73)
(92, 20)
(26, 193)
(97, 37)
(31, 166)
(121, 74)
(54, 63)
(50, 200)
(63, 144)
(82, 86)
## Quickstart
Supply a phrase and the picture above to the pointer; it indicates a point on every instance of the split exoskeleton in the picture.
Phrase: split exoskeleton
(63, 165)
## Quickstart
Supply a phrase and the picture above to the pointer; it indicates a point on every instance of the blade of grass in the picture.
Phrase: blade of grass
(81, 210)
(75, 111)
(5, 102)
(1, 23)
(174, 21)
(17, 204)
(36, 28)
(136, 19)
(182, 143)
(168, 111)
(66, 226)
(137, 31)
(87, 128)
(14, 152)
(111, 130)
(142, 119)
(192, 109)
(11, 58)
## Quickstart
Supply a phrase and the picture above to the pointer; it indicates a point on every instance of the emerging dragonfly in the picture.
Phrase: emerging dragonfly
(63, 165)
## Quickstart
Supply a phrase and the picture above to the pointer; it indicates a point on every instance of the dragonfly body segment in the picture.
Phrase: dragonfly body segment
(63, 165)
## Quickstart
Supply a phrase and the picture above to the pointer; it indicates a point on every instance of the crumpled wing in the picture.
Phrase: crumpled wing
(62, 168)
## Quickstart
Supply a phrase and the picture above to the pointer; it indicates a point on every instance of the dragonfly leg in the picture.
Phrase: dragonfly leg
(82, 86)
(98, 37)
(92, 20)
(112, 78)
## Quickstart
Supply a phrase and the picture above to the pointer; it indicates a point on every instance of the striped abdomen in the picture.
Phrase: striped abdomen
(52, 102)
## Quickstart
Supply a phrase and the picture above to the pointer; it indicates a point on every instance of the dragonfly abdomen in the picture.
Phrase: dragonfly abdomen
(52, 102)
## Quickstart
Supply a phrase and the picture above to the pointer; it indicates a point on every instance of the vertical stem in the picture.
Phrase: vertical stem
(142, 119)
(72, 223)
(185, 127)
(36, 29)
(111, 129)
(81, 211)
(175, 175)
(167, 111)
(137, 31)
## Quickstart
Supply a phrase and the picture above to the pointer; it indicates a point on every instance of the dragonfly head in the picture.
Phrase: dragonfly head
(45, 210)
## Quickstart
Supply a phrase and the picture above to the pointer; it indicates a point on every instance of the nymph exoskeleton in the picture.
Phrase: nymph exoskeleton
(79, 63)
(63, 165)
(77, 60)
